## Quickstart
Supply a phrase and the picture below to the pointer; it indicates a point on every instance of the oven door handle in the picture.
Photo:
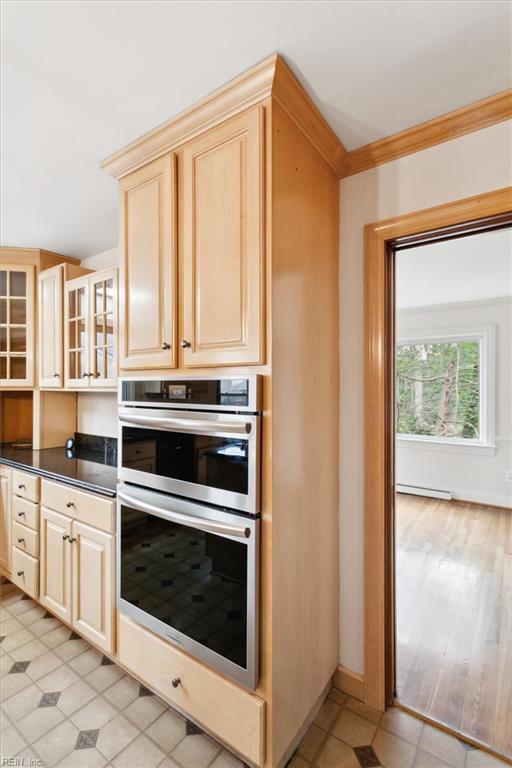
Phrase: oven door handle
(241, 532)
(202, 426)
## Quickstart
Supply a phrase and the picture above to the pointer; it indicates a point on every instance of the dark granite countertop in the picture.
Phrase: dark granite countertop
(87, 469)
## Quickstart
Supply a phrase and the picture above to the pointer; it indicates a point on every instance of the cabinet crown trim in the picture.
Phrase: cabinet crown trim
(271, 78)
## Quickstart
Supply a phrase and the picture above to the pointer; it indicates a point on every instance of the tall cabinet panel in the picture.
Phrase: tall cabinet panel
(222, 257)
(148, 267)
(17, 302)
(51, 364)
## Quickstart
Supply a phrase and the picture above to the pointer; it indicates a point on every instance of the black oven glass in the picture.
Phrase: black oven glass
(214, 392)
(195, 582)
(216, 462)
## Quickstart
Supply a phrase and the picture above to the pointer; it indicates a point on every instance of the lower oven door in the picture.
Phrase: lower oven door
(190, 573)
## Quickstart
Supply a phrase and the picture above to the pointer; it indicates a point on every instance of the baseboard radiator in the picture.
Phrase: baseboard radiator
(418, 490)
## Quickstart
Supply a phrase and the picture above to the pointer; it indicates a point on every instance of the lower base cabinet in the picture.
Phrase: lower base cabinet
(77, 576)
(234, 715)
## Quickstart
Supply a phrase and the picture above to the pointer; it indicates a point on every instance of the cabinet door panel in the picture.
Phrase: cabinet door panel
(223, 244)
(93, 585)
(76, 333)
(55, 563)
(103, 329)
(5, 518)
(17, 309)
(51, 369)
(148, 267)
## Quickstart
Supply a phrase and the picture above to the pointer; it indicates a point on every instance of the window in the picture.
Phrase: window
(443, 387)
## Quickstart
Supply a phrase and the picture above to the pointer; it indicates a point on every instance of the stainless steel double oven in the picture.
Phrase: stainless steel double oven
(188, 515)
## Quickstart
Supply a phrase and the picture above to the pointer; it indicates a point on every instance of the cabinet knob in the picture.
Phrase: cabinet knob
(20, 541)
(185, 344)
(84, 375)
(69, 504)
(72, 539)
(165, 345)
(175, 682)
(56, 375)
(21, 573)
(65, 536)
(21, 514)
(21, 487)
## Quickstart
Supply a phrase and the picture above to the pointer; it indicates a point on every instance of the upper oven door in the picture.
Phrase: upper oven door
(210, 457)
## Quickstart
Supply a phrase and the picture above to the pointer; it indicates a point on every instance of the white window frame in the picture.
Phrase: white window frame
(485, 335)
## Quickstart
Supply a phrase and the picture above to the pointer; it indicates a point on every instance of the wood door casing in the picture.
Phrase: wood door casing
(93, 585)
(55, 563)
(5, 518)
(222, 258)
(51, 368)
(147, 285)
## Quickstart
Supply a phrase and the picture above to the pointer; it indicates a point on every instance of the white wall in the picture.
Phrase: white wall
(97, 413)
(471, 473)
(102, 260)
(476, 163)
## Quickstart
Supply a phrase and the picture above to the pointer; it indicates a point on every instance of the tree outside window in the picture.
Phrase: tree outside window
(438, 389)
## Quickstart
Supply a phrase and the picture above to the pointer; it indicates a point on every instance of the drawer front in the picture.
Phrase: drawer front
(25, 485)
(25, 572)
(25, 539)
(25, 512)
(84, 507)
(228, 712)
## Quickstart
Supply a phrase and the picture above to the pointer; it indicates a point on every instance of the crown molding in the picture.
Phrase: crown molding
(473, 117)
(271, 78)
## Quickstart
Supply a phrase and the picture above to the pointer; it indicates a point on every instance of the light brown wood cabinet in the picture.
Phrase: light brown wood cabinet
(77, 576)
(147, 312)
(5, 519)
(17, 325)
(222, 256)
(90, 331)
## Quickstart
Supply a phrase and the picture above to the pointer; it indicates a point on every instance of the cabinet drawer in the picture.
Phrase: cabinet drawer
(25, 512)
(25, 485)
(227, 711)
(25, 572)
(25, 539)
(84, 507)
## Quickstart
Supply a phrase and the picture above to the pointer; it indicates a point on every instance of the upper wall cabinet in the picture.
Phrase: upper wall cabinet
(90, 331)
(222, 258)
(17, 308)
(148, 267)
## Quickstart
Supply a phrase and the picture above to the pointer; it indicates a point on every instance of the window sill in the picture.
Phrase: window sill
(431, 444)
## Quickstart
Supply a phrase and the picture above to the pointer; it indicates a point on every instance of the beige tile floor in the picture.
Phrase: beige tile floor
(64, 704)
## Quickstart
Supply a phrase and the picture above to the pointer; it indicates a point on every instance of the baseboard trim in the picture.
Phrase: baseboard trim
(350, 682)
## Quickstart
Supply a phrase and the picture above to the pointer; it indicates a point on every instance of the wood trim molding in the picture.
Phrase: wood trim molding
(349, 682)
(378, 393)
(271, 77)
(479, 114)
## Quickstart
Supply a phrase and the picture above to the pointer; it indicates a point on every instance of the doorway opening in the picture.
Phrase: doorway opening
(453, 502)
(469, 411)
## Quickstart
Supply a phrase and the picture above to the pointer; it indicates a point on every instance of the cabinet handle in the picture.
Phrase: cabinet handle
(185, 344)
(175, 682)
(65, 536)
(56, 375)
(84, 375)
(21, 487)
(21, 573)
(69, 504)
(20, 541)
(72, 539)
(165, 345)
(21, 514)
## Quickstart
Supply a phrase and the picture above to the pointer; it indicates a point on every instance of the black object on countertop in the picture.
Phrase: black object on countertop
(88, 469)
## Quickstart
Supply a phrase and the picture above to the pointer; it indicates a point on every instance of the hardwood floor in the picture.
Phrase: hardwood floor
(454, 615)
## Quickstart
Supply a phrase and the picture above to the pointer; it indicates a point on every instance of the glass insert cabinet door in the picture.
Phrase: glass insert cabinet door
(76, 330)
(103, 330)
(17, 326)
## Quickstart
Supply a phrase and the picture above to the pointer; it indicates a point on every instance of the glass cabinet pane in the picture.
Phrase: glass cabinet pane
(110, 363)
(18, 367)
(3, 339)
(18, 340)
(72, 304)
(18, 287)
(81, 305)
(98, 298)
(99, 362)
(3, 310)
(18, 311)
(81, 334)
(109, 295)
(3, 367)
(98, 333)
(3, 283)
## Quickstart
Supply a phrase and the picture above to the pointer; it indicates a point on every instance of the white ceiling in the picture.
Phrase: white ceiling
(467, 269)
(81, 79)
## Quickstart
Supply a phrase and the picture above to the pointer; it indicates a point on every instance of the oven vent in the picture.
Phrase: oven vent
(418, 490)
